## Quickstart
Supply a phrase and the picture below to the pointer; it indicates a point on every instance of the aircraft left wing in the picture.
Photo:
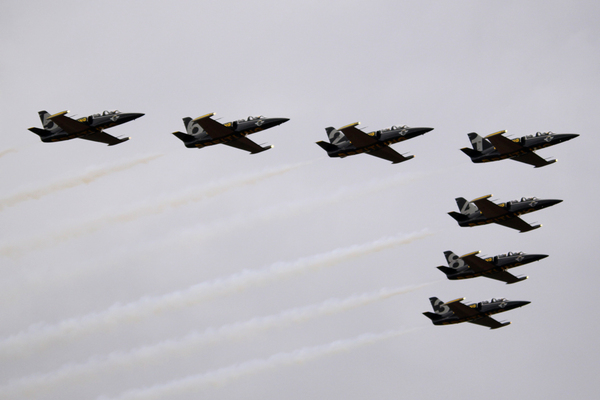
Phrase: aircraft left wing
(357, 137)
(489, 209)
(461, 310)
(489, 322)
(213, 128)
(503, 144)
(244, 143)
(518, 224)
(103, 137)
(476, 263)
(68, 124)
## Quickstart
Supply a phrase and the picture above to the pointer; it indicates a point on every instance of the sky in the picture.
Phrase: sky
(151, 271)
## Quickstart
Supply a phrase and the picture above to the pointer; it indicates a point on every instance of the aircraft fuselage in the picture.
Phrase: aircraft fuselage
(96, 123)
(385, 138)
(513, 208)
(498, 264)
(484, 309)
(529, 143)
(238, 129)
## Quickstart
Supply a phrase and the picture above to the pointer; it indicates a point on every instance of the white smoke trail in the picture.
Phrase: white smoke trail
(145, 210)
(192, 384)
(5, 152)
(68, 183)
(35, 385)
(37, 337)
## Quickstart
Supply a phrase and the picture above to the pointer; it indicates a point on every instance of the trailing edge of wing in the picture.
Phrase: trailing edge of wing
(495, 133)
(470, 254)
(454, 301)
(59, 114)
(349, 125)
(487, 196)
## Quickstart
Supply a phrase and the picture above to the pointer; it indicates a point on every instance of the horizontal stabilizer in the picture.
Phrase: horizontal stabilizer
(327, 146)
(184, 137)
(40, 132)
(470, 152)
(458, 216)
(432, 316)
(447, 270)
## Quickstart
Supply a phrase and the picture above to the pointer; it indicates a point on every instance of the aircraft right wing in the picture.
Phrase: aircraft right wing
(103, 137)
(489, 209)
(489, 322)
(475, 263)
(387, 153)
(244, 143)
(461, 310)
(518, 224)
(533, 159)
(505, 277)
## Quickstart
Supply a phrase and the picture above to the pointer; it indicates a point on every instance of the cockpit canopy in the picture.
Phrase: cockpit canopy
(498, 300)
(393, 128)
(106, 112)
(251, 118)
(511, 253)
(523, 199)
(537, 134)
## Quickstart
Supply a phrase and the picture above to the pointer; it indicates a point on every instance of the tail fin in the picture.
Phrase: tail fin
(479, 144)
(335, 137)
(439, 307)
(193, 129)
(47, 123)
(454, 261)
(327, 146)
(466, 207)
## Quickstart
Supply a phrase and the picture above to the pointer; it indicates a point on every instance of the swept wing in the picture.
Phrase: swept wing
(360, 139)
(244, 143)
(489, 322)
(216, 130)
(464, 311)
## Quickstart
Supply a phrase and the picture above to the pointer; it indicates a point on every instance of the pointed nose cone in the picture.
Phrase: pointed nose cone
(563, 137)
(126, 117)
(412, 132)
(276, 121)
(535, 257)
(516, 304)
(549, 203)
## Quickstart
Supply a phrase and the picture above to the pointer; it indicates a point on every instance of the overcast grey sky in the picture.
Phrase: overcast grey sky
(151, 271)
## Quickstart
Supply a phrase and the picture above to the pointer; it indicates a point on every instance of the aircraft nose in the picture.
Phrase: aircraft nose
(418, 131)
(278, 121)
(537, 257)
(517, 304)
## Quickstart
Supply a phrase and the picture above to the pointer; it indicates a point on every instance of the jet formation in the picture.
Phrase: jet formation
(496, 147)
(482, 211)
(205, 131)
(349, 140)
(455, 312)
(59, 127)
(471, 266)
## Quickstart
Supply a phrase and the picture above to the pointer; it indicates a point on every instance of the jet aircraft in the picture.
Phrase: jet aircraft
(349, 140)
(482, 211)
(471, 266)
(496, 147)
(455, 312)
(59, 127)
(205, 131)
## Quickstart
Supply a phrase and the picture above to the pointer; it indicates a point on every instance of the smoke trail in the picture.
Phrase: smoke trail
(72, 182)
(5, 152)
(36, 338)
(41, 383)
(145, 210)
(191, 384)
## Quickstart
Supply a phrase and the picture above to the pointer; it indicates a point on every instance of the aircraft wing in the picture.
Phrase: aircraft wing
(503, 144)
(533, 159)
(518, 224)
(387, 153)
(475, 263)
(103, 137)
(461, 310)
(505, 277)
(489, 209)
(213, 128)
(357, 137)
(244, 143)
(489, 322)
(68, 124)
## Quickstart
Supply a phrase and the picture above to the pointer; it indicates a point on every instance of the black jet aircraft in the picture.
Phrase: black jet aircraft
(481, 211)
(496, 147)
(59, 127)
(349, 140)
(455, 312)
(205, 131)
(471, 266)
